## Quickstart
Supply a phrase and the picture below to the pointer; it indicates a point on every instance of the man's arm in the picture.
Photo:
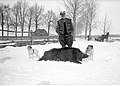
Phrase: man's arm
(72, 28)
(57, 28)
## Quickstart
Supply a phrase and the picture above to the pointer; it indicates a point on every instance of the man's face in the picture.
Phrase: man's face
(62, 16)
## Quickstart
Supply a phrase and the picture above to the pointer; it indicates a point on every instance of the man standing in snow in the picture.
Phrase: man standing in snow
(65, 30)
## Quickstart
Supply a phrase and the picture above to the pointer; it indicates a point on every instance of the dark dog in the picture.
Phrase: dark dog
(64, 54)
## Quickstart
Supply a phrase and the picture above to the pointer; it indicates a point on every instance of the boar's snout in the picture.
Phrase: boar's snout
(85, 56)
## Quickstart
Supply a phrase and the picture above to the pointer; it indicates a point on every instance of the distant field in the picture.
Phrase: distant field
(51, 37)
(26, 37)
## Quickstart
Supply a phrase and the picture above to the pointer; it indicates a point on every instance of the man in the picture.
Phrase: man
(65, 30)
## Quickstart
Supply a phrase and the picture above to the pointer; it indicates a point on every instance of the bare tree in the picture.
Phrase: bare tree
(90, 8)
(22, 12)
(49, 20)
(29, 18)
(74, 9)
(105, 25)
(80, 25)
(7, 18)
(38, 13)
(84, 20)
(14, 20)
(54, 22)
(2, 17)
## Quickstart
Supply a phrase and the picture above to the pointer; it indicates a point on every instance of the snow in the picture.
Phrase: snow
(4, 41)
(8, 44)
(17, 69)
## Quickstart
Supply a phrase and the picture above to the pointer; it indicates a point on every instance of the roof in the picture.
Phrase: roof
(40, 32)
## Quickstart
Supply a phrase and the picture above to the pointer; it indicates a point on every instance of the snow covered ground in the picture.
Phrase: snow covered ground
(17, 69)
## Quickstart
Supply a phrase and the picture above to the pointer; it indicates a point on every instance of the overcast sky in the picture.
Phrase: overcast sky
(111, 8)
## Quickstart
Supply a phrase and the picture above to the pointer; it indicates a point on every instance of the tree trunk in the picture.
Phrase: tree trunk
(48, 31)
(16, 32)
(7, 32)
(16, 28)
(22, 29)
(31, 39)
(28, 31)
(2, 26)
(85, 33)
(86, 29)
(104, 30)
(36, 26)
(90, 29)
(29, 28)
(22, 32)
(7, 29)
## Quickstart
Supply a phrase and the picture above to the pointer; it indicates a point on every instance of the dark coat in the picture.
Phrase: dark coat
(60, 26)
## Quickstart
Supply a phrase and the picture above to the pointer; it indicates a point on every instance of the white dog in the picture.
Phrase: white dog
(89, 51)
(33, 53)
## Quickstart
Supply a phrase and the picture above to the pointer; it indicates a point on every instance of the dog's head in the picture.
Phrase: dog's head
(29, 47)
(90, 47)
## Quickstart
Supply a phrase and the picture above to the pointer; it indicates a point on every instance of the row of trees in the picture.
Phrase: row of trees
(21, 16)
(84, 16)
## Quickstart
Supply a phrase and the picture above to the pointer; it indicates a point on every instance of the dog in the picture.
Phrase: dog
(89, 51)
(33, 53)
(64, 54)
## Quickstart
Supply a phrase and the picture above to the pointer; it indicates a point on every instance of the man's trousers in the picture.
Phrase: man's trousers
(66, 40)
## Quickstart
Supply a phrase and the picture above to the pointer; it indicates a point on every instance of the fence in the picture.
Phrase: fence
(24, 37)
(42, 37)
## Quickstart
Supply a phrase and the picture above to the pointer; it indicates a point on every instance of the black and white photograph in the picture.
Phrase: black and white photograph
(59, 42)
